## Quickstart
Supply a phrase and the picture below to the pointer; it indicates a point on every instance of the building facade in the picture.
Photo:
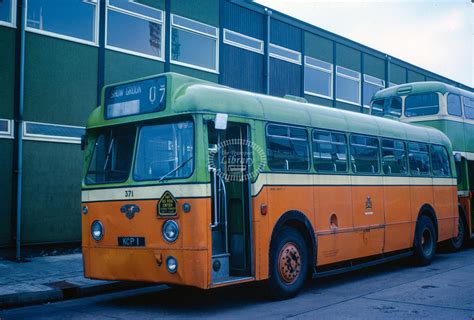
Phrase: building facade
(55, 56)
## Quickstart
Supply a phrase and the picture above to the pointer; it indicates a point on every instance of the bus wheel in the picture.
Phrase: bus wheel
(425, 241)
(288, 264)
(456, 243)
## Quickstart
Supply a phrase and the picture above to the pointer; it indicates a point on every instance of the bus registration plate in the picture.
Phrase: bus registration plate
(131, 241)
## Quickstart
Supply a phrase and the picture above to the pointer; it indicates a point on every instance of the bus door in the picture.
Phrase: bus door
(229, 166)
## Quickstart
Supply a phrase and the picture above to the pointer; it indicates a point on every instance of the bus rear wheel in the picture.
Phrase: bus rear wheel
(288, 264)
(425, 241)
(456, 243)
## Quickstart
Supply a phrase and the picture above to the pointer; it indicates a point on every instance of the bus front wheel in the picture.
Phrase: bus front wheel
(425, 241)
(288, 264)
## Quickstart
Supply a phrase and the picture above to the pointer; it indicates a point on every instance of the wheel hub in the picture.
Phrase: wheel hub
(289, 263)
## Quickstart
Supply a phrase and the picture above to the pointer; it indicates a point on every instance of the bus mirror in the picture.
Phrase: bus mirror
(221, 121)
(83, 142)
(457, 157)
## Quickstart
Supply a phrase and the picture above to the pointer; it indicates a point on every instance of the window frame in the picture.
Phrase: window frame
(350, 78)
(347, 171)
(318, 68)
(50, 138)
(379, 160)
(240, 45)
(162, 22)
(94, 43)
(464, 98)
(9, 134)
(372, 81)
(12, 23)
(308, 169)
(280, 57)
(196, 32)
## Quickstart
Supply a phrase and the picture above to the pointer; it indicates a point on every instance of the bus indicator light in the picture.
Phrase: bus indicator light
(263, 209)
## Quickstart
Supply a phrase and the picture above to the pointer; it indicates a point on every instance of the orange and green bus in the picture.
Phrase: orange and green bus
(450, 110)
(191, 183)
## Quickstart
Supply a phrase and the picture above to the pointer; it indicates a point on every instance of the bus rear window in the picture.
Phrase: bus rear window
(421, 104)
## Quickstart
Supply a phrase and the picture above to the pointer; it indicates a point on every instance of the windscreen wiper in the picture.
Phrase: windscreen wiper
(175, 169)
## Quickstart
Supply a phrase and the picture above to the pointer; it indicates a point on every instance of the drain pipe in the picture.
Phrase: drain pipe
(266, 70)
(20, 131)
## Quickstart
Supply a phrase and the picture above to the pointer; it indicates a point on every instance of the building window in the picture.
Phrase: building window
(52, 132)
(72, 20)
(284, 54)
(317, 77)
(6, 128)
(287, 148)
(242, 41)
(454, 105)
(347, 85)
(422, 104)
(7, 12)
(194, 44)
(371, 86)
(135, 28)
(468, 107)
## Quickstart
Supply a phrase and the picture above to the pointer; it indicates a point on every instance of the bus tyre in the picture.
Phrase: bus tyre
(425, 241)
(456, 243)
(288, 264)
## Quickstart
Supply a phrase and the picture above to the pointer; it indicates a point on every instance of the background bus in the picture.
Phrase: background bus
(446, 108)
(191, 183)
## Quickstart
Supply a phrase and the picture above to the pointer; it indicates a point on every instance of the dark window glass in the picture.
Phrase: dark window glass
(454, 105)
(317, 81)
(394, 160)
(364, 154)
(421, 104)
(165, 151)
(287, 148)
(347, 89)
(112, 156)
(73, 18)
(4, 124)
(6, 10)
(419, 158)
(329, 151)
(389, 106)
(468, 107)
(440, 161)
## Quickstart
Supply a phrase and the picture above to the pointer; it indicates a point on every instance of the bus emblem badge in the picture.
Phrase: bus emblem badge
(368, 203)
(129, 210)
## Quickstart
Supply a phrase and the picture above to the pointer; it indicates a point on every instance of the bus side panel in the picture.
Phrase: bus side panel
(398, 230)
(444, 199)
(261, 234)
(419, 196)
(332, 240)
(466, 205)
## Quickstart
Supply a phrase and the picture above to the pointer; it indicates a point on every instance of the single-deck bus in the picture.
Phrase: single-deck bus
(450, 110)
(192, 183)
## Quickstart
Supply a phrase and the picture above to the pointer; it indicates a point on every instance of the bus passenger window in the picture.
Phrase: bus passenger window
(440, 161)
(394, 159)
(329, 151)
(287, 148)
(454, 105)
(468, 107)
(364, 154)
(419, 159)
(421, 104)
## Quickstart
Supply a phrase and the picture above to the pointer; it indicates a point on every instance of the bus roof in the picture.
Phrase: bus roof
(420, 87)
(186, 95)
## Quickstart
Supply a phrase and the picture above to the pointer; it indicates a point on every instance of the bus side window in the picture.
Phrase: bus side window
(421, 104)
(419, 159)
(287, 148)
(454, 105)
(365, 154)
(394, 161)
(440, 161)
(329, 151)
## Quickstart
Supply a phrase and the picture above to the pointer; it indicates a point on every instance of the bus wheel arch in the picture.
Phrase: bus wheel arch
(426, 236)
(427, 210)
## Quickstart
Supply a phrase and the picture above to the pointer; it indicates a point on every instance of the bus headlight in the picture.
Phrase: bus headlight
(97, 230)
(172, 264)
(170, 231)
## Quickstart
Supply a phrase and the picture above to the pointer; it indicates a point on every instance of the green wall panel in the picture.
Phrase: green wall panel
(6, 150)
(374, 66)
(123, 67)
(397, 74)
(60, 80)
(318, 47)
(209, 76)
(7, 71)
(206, 11)
(415, 76)
(51, 192)
(318, 100)
(347, 57)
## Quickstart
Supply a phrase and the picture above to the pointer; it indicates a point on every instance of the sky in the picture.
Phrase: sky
(437, 35)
